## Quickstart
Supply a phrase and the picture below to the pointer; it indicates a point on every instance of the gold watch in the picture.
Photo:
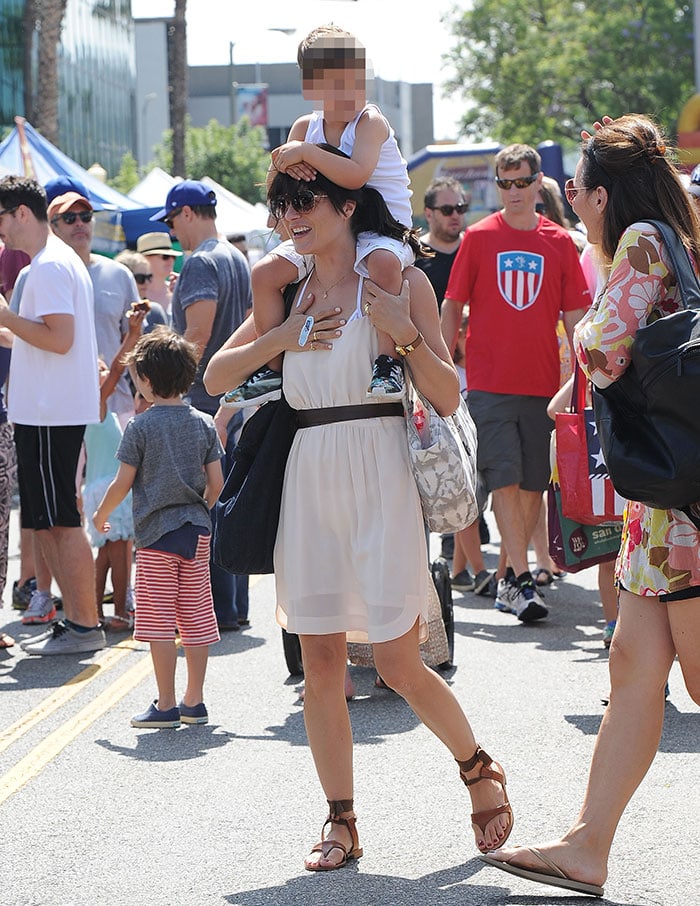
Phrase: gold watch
(409, 347)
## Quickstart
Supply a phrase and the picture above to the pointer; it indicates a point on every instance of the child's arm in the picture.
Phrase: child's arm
(215, 482)
(135, 322)
(115, 493)
(352, 173)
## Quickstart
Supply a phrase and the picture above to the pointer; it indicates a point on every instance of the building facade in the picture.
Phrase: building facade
(97, 78)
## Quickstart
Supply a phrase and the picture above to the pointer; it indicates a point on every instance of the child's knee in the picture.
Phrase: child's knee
(384, 269)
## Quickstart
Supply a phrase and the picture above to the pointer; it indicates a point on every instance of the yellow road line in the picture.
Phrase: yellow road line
(65, 692)
(36, 760)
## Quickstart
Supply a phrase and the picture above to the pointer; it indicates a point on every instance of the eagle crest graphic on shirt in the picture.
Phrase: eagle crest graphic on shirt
(520, 277)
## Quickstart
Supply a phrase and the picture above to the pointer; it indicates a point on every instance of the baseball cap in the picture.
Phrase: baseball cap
(694, 187)
(63, 203)
(158, 243)
(60, 185)
(188, 192)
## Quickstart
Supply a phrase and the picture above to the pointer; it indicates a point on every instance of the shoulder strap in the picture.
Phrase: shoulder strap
(685, 275)
(289, 293)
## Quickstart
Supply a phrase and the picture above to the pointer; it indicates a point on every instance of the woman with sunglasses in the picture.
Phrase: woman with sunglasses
(623, 179)
(350, 558)
(140, 267)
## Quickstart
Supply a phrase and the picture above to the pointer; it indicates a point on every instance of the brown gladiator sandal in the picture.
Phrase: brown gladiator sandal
(338, 808)
(490, 770)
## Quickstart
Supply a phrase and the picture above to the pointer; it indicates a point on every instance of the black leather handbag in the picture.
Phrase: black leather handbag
(649, 419)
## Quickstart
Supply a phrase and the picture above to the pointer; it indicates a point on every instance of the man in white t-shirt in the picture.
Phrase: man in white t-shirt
(54, 395)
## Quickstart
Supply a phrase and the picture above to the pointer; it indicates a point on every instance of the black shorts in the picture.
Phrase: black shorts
(513, 439)
(47, 461)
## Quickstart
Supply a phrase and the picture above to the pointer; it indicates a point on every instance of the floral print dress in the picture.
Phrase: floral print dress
(660, 549)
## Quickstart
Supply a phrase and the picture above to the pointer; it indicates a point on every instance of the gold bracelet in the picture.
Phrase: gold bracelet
(409, 347)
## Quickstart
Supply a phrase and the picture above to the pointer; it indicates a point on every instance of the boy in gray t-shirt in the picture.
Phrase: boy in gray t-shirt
(170, 456)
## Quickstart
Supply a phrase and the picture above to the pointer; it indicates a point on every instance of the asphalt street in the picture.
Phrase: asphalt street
(93, 812)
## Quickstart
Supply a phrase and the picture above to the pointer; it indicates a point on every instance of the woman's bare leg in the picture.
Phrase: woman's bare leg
(641, 655)
(399, 664)
(328, 726)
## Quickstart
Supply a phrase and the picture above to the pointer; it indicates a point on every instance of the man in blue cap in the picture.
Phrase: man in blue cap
(211, 299)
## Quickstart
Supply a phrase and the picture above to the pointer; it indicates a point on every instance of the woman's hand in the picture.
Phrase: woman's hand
(597, 126)
(391, 314)
(326, 328)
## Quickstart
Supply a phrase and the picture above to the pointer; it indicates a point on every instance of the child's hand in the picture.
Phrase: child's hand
(135, 319)
(100, 522)
(585, 134)
(289, 159)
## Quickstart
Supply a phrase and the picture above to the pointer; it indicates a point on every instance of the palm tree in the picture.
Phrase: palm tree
(178, 100)
(48, 21)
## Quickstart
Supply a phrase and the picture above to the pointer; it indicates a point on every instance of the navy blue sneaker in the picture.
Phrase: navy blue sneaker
(159, 720)
(195, 715)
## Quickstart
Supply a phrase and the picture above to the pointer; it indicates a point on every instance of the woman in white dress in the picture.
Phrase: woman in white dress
(350, 558)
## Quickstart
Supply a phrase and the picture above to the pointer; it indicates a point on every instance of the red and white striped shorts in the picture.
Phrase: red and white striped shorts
(171, 593)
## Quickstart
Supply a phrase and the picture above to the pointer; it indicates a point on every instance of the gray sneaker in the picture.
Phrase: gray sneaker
(262, 386)
(64, 640)
(528, 604)
(506, 595)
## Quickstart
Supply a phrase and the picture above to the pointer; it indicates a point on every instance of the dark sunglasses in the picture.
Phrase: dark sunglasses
(168, 257)
(143, 278)
(9, 210)
(447, 210)
(71, 216)
(168, 221)
(521, 183)
(302, 201)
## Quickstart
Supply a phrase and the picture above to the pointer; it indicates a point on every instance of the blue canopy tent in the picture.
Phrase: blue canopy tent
(122, 219)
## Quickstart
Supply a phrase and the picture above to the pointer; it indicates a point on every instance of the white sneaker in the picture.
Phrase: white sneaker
(506, 594)
(41, 609)
(64, 640)
(528, 604)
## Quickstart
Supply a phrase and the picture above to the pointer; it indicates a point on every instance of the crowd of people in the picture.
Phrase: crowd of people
(132, 426)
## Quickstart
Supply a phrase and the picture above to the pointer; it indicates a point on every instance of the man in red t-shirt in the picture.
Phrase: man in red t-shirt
(519, 273)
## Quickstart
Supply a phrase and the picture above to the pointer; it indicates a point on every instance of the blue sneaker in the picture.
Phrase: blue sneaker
(608, 633)
(195, 715)
(159, 720)
(262, 386)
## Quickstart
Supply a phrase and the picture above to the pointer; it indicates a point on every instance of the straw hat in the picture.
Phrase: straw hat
(158, 243)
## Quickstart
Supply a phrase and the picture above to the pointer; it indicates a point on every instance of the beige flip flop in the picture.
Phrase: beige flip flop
(555, 876)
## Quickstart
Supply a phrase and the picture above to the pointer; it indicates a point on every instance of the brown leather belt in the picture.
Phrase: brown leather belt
(309, 418)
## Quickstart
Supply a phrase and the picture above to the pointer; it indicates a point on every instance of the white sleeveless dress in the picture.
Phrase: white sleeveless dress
(350, 554)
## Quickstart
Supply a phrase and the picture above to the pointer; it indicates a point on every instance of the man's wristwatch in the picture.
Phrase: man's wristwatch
(409, 347)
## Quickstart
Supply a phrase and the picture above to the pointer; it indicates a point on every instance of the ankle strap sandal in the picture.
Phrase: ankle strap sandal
(489, 770)
(340, 812)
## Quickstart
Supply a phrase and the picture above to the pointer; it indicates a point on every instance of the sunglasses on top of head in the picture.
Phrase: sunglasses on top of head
(522, 182)
(302, 201)
(71, 216)
(447, 210)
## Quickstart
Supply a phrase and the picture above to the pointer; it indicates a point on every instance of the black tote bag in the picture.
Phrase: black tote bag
(649, 419)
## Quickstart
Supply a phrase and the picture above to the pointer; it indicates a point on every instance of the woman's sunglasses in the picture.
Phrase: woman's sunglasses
(302, 201)
(143, 278)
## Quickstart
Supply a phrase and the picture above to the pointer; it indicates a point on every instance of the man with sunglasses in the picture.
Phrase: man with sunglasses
(211, 299)
(53, 373)
(71, 217)
(518, 272)
(445, 212)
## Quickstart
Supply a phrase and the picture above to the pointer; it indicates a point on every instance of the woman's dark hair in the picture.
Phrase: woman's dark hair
(166, 359)
(371, 212)
(630, 159)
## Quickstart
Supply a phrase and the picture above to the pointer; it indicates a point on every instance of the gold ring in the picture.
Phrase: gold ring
(313, 346)
(367, 306)
(314, 335)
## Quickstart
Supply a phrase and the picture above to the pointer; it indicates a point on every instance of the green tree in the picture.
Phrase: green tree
(234, 156)
(128, 174)
(531, 70)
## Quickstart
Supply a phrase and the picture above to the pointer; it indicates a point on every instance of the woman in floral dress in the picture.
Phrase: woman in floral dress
(623, 179)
